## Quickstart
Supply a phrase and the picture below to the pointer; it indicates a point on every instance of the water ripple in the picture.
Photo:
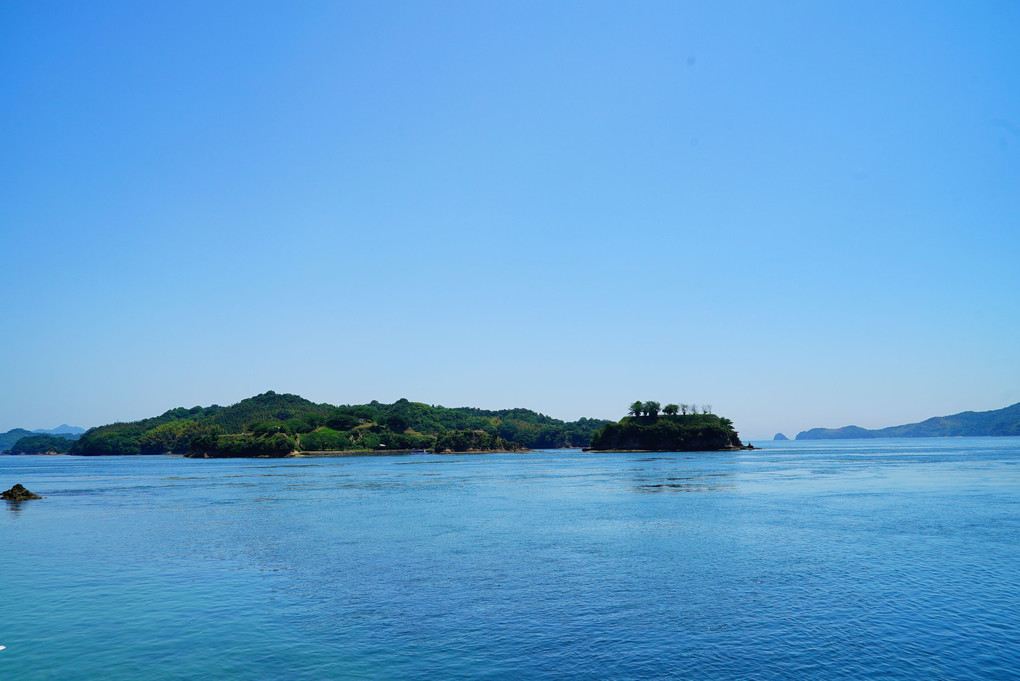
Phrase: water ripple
(849, 560)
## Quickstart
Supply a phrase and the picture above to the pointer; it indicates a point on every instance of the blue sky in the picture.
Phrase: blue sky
(804, 214)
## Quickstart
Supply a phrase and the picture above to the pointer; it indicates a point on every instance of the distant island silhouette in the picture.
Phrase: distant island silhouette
(995, 423)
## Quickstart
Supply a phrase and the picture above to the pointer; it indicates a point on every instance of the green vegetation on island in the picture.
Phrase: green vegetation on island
(14, 440)
(680, 428)
(8, 439)
(274, 424)
(42, 444)
(994, 423)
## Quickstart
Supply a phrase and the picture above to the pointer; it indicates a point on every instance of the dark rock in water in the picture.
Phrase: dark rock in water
(780, 436)
(18, 493)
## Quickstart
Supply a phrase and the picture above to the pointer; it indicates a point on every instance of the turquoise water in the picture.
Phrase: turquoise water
(894, 559)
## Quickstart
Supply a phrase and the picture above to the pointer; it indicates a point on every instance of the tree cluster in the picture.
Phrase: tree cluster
(42, 444)
(652, 408)
(671, 433)
(11, 437)
(473, 441)
(243, 445)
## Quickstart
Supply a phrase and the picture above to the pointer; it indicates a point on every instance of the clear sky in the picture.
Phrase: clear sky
(803, 214)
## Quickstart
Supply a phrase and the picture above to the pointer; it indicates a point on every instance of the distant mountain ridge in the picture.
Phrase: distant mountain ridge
(62, 429)
(996, 423)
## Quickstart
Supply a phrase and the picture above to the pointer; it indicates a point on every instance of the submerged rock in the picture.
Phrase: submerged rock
(18, 493)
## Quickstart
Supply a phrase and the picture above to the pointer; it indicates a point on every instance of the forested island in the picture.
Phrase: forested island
(279, 424)
(996, 423)
(42, 444)
(55, 441)
(679, 428)
(274, 425)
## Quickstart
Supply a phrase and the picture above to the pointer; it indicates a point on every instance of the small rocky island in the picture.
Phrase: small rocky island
(679, 428)
(18, 493)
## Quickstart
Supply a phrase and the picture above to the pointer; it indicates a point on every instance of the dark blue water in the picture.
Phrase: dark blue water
(829, 560)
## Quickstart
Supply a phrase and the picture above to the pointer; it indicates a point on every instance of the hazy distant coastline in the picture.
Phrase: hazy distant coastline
(996, 423)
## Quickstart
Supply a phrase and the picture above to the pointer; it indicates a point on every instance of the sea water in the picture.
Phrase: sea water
(883, 559)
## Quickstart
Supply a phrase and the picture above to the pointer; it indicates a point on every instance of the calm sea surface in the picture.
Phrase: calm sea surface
(883, 559)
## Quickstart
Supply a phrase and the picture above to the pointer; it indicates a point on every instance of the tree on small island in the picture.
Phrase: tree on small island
(644, 430)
